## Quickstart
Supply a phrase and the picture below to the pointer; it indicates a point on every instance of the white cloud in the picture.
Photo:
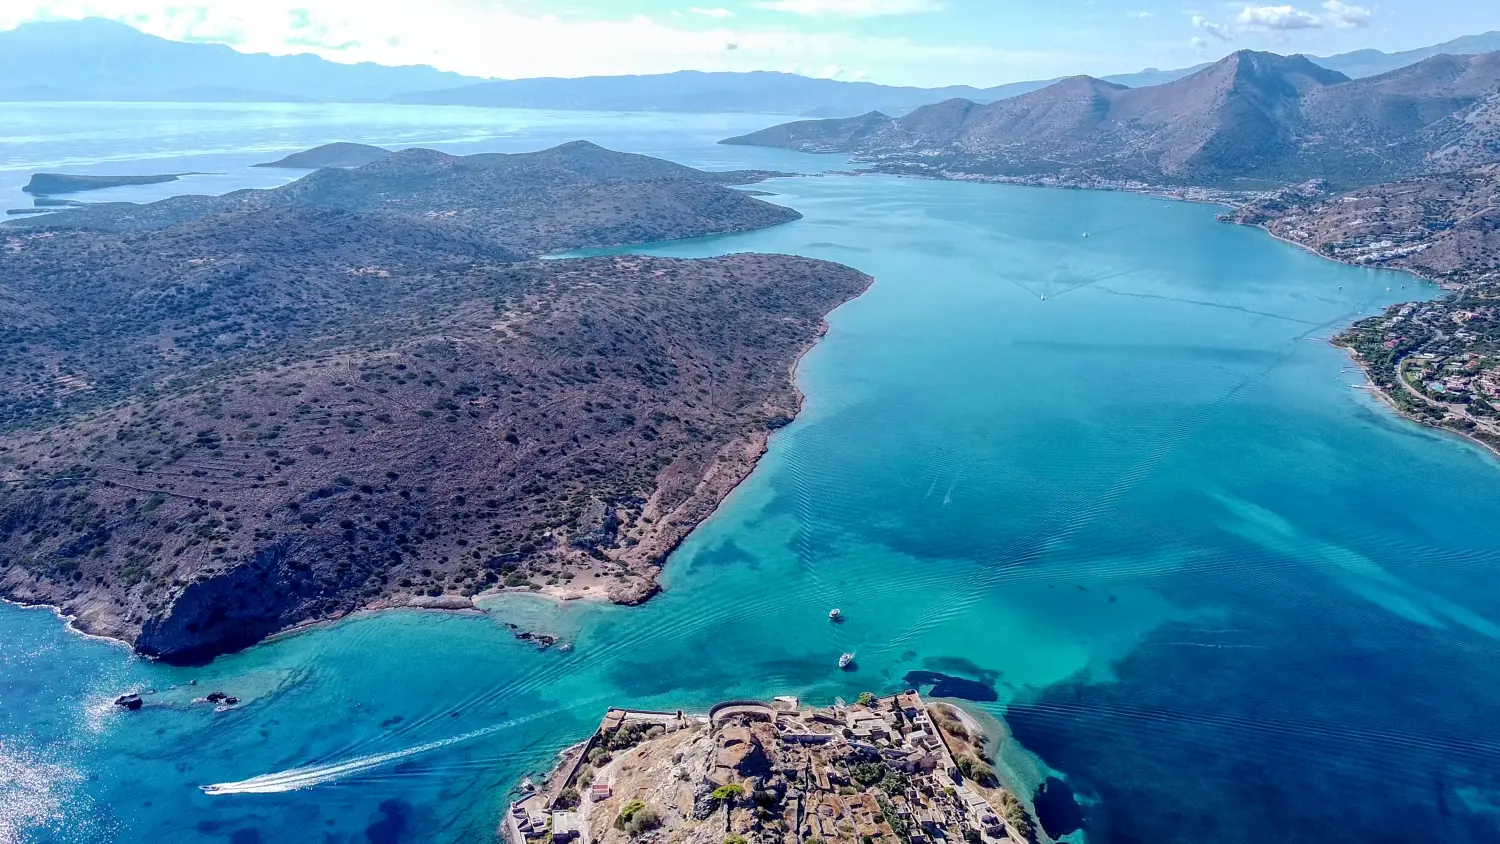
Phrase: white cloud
(850, 8)
(1140, 15)
(1217, 30)
(718, 14)
(1198, 43)
(1345, 16)
(1277, 18)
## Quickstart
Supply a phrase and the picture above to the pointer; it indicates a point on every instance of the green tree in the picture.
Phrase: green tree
(728, 793)
(868, 773)
(866, 698)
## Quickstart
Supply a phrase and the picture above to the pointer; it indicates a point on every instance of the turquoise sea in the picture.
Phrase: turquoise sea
(1119, 483)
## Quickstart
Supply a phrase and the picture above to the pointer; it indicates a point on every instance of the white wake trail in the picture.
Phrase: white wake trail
(300, 778)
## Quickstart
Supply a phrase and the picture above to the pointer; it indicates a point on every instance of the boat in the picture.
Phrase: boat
(835, 615)
(846, 660)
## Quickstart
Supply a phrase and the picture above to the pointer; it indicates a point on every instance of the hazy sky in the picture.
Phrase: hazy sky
(914, 42)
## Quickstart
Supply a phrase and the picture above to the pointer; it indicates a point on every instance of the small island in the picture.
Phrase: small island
(331, 155)
(882, 769)
(54, 183)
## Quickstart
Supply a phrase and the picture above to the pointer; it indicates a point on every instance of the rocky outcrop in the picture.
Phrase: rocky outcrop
(229, 611)
(742, 750)
(330, 155)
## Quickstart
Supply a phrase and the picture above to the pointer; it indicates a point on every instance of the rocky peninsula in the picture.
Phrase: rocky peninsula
(883, 769)
(228, 416)
(50, 184)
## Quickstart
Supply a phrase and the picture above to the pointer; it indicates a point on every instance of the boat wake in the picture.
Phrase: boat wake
(296, 779)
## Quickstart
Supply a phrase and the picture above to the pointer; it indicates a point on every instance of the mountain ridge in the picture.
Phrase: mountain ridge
(1252, 117)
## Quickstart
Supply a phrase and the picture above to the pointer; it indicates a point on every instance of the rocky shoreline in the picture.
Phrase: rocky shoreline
(723, 478)
(1438, 228)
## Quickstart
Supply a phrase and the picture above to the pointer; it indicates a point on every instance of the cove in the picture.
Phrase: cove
(1217, 592)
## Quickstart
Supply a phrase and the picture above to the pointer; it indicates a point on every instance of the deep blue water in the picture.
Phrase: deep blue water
(1216, 591)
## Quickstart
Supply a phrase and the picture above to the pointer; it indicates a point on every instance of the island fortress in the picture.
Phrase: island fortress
(883, 770)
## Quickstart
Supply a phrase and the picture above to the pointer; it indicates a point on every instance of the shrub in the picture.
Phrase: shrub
(1016, 815)
(628, 736)
(898, 823)
(866, 698)
(976, 770)
(636, 817)
(733, 838)
(949, 722)
(895, 783)
(567, 798)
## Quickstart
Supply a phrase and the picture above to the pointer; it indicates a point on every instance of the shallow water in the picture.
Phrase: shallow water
(1215, 589)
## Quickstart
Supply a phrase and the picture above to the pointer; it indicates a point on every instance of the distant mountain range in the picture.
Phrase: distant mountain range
(695, 91)
(1251, 119)
(97, 59)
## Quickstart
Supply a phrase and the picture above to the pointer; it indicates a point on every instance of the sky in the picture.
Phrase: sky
(895, 42)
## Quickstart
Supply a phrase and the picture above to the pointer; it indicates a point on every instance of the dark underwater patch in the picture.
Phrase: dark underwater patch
(1057, 808)
(392, 825)
(963, 667)
(728, 554)
(1273, 719)
(946, 685)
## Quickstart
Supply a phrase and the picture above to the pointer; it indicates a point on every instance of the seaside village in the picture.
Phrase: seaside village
(879, 771)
